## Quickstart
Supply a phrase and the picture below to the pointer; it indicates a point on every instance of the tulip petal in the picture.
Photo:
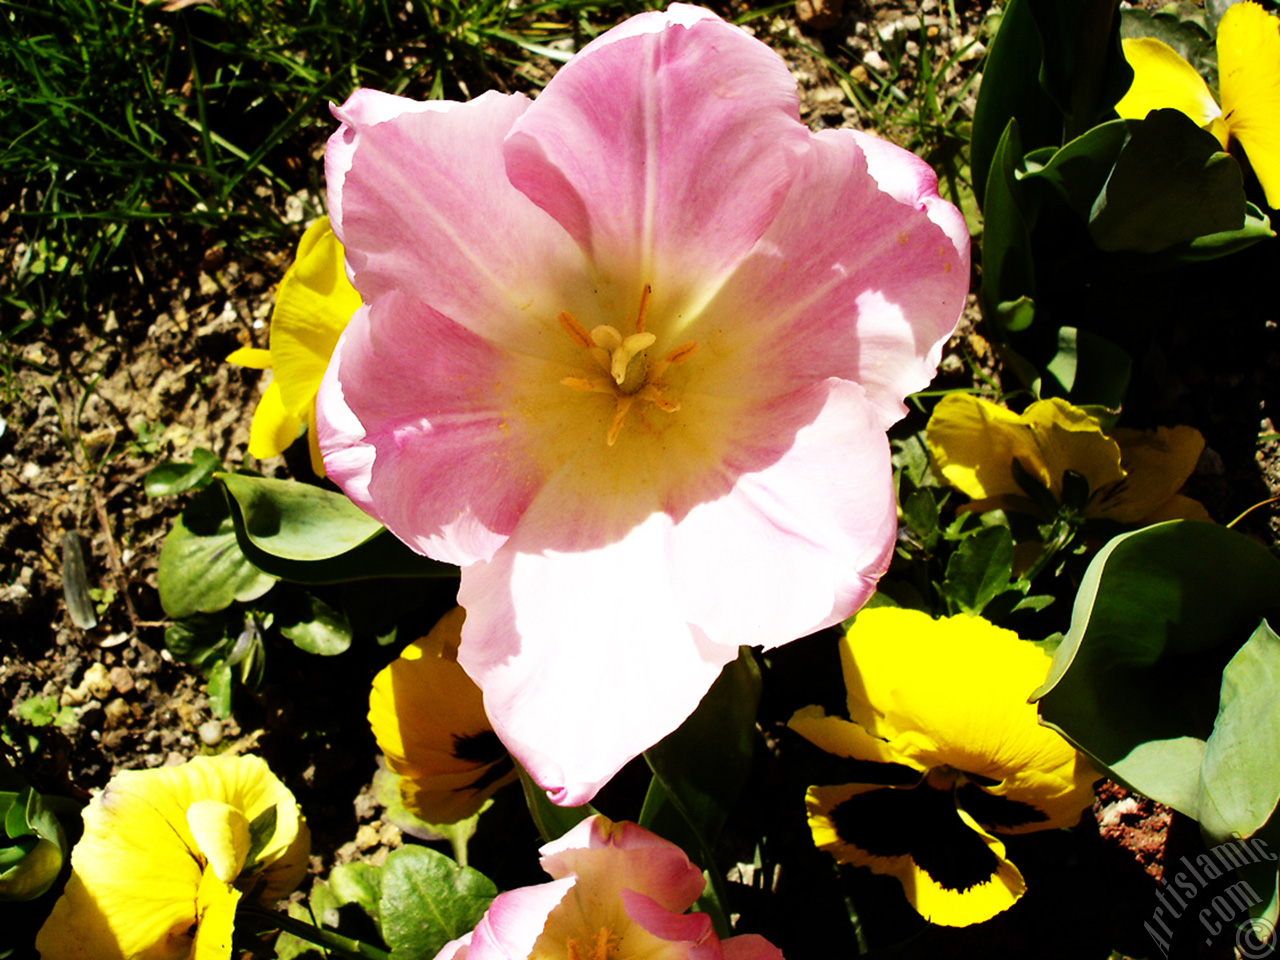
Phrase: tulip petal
(586, 657)
(861, 277)
(515, 920)
(809, 513)
(1163, 80)
(423, 207)
(665, 148)
(1249, 80)
(451, 476)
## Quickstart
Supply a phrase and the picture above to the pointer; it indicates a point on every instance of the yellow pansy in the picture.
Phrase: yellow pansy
(1133, 476)
(1248, 83)
(166, 856)
(428, 718)
(314, 302)
(943, 705)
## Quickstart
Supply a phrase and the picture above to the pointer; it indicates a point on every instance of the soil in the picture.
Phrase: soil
(99, 401)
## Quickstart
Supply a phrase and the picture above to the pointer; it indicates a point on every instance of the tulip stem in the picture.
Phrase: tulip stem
(334, 943)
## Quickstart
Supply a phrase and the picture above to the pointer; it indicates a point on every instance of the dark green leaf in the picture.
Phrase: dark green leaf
(978, 570)
(305, 534)
(170, 477)
(1079, 171)
(1088, 370)
(261, 829)
(201, 567)
(1171, 184)
(428, 900)
(314, 626)
(1138, 682)
(1008, 271)
(1083, 68)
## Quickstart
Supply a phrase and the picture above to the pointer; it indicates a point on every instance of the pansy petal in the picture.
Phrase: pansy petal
(426, 210)
(585, 657)
(1157, 463)
(844, 738)
(215, 912)
(809, 503)
(274, 428)
(850, 281)
(314, 302)
(1249, 80)
(952, 871)
(253, 357)
(1163, 80)
(221, 833)
(664, 148)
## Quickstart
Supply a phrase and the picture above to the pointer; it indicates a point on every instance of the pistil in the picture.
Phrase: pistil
(628, 373)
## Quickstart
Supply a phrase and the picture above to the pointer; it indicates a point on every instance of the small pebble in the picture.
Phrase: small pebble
(210, 733)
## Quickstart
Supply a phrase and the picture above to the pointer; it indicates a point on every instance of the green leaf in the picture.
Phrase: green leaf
(361, 884)
(1083, 68)
(1088, 370)
(261, 829)
(1079, 171)
(979, 570)
(552, 821)
(314, 626)
(428, 900)
(1010, 91)
(31, 865)
(201, 567)
(1171, 184)
(1008, 270)
(306, 534)
(1146, 677)
(170, 477)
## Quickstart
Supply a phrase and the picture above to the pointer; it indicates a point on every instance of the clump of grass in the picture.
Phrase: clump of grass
(137, 137)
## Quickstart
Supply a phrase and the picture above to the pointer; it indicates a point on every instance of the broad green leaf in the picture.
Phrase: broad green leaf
(1083, 68)
(313, 625)
(201, 568)
(1011, 91)
(428, 900)
(170, 477)
(1145, 678)
(298, 521)
(305, 534)
(704, 764)
(1240, 779)
(978, 570)
(361, 884)
(30, 863)
(1210, 246)
(1079, 171)
(1171, 184)
(1008, 270)
(1088, 370)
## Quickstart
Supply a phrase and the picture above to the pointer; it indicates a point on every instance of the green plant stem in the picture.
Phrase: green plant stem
(335, 943)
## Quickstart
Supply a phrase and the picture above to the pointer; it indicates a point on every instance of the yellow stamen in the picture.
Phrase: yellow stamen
(603, 947)
(574, 329)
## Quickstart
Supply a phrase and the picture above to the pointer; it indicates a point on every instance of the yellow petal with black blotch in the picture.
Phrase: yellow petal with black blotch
(1157, 463)
(314, 303)
(1162, 80)
(975, 442)
(1249, 82)
(274, 428)
(953, 693)
(843, 738)
(428, 718)
(952, 871)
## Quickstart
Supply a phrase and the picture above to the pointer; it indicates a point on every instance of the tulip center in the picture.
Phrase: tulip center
(603, 946)
(621, 367)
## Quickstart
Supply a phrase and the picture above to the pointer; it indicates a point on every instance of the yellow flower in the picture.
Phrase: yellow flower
(945, 701)
(1248, 83)
(314, 302)
(1133, 475)
(166, 856)
(428, 718)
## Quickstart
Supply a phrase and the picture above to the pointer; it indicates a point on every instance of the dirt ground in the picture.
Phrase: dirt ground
(99, 401)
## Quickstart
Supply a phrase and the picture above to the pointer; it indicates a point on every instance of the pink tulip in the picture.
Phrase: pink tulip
(618, 893)
(627, 355)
